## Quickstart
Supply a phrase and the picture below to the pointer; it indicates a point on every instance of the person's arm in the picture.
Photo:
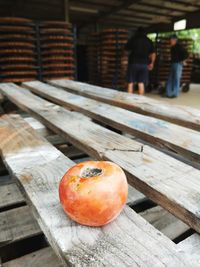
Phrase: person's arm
(152, 56)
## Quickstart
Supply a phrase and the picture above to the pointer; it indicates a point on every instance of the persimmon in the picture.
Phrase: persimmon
(93, 192)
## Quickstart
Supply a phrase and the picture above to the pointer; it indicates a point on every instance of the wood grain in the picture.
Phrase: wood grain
(185, 116)
(190, 248)
(41, 258)
(17, 224)
(10, 195)
(181, 140)
(167, 181)
(128, 241)
(165, 222)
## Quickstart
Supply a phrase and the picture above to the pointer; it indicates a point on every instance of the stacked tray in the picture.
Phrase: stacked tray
(57, 50)
(18, 58)
(112, 67)
(162, 68)
(93, 58)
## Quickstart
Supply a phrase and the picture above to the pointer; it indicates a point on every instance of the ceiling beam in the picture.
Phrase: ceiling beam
(158, 6)
(185, 3)
(130, 23)
(131, 19)
(148, 12)
(192, 22)
(105, 14)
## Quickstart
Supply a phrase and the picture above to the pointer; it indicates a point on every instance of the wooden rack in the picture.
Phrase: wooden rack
(30, 50)
(18, 60)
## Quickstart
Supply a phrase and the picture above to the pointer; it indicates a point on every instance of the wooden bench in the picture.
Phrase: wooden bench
(164, 181)
(38, 166)
(118, 241)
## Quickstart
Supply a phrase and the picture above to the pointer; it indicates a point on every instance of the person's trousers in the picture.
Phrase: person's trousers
(174, 80)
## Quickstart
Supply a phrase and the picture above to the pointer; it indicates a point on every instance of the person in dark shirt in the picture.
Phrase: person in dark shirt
(141, 60)
(178, 55)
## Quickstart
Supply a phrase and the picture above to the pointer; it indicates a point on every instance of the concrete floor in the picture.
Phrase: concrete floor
(192, 98)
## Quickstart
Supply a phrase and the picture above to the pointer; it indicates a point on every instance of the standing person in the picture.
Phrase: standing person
(178, 55)
(141, 60)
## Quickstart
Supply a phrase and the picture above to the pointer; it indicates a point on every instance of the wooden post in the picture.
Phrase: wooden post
(66, 10)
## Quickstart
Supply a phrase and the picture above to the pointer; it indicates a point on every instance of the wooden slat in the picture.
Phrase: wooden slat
(182, 115)
(42, 258)
(181, 140)
(121, 243)
(17, 224)
(190, 248)
(1, 98)
(10, 195)
(38, 126)
(167, 181)
(165, 222)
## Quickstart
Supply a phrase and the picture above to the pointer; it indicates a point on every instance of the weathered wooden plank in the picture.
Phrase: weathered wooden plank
(190, 248)
(181, 140)
(38, 126)
(167, 181)
(1, 98)
(41, 258)
(43, 131)
(185, 116)
(165, 222)
(128, 241)
(10, 195)
(17, 224)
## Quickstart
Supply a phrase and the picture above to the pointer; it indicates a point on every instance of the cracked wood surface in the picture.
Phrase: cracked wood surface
(181, 140)
(168, 182)
(38, 166)
(183, 115)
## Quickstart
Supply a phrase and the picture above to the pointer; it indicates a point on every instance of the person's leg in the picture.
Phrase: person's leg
(130, 88)
(130, 78)
(169, 87)
(177, 79)
(142, 78)
(141, 88)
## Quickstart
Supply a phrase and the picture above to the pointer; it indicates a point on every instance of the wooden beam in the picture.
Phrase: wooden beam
(105, 14)
(134, 10)
(43, 257)
(187, 4)
(17, 224)
(10, 196)
(160, 5)
(124, 23)
(123, 18)
(182, 141)
(161, 178)
(185, 116)
(38, 167)
(66, 10)
(190, 247)
(192, 22)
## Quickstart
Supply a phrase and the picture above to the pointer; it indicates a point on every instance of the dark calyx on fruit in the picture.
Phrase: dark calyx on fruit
(88, 172)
